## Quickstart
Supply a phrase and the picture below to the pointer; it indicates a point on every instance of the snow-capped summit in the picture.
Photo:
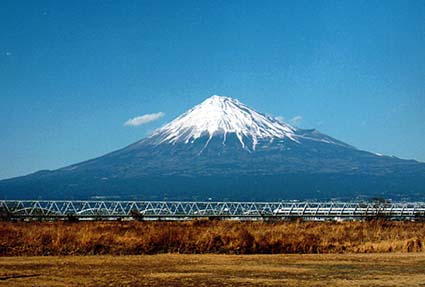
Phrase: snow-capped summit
(224, 115)
(224, 150)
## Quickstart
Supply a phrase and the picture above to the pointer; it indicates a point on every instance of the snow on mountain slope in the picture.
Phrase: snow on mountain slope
(223, 115)
(288, 163)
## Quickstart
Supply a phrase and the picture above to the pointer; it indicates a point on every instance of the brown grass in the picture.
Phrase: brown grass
(203, 236)
(390, 269)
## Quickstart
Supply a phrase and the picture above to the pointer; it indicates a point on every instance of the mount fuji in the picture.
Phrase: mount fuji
(222, 149)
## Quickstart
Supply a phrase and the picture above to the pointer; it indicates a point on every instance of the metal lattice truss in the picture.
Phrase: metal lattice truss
(186, 209)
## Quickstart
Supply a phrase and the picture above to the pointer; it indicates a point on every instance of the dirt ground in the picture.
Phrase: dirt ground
(391, 269)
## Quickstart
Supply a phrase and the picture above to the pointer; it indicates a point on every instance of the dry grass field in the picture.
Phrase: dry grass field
(212, 253)
(206, 236)
(387, 269)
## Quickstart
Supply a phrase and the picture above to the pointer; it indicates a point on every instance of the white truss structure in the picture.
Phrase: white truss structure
(186, 209)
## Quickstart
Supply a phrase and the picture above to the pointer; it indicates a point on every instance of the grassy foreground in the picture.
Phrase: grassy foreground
(203, 236)
(390, 269)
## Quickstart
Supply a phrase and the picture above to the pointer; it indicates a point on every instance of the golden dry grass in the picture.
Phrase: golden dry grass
(203, 236)
(390, 269)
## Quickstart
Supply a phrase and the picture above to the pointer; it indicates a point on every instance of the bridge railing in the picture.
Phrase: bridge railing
(91, 209)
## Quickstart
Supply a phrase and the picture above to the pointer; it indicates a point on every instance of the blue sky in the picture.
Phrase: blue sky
(73, 72)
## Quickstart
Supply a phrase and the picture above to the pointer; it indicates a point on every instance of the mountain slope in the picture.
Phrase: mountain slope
(223, 149)
(221, 116)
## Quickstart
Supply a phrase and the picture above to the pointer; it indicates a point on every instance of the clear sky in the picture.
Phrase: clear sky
(72, 73)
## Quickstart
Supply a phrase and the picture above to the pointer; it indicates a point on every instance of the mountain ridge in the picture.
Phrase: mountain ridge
(222, 115)
(221, 149)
